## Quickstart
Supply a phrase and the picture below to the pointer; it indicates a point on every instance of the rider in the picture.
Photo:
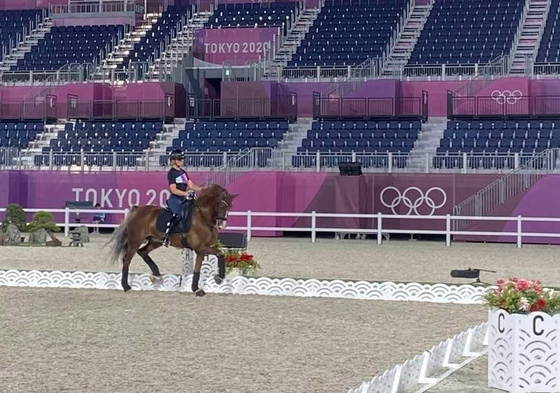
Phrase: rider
(179, 184)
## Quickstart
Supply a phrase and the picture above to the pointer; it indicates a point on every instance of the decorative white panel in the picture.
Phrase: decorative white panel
(403, 377)
(524, 352)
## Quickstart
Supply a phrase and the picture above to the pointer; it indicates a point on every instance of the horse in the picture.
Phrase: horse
(209, 215)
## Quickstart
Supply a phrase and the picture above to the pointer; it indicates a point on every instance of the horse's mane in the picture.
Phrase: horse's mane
(210, 195)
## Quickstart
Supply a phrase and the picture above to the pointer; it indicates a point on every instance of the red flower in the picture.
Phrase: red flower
(539, 305)
(246, 257)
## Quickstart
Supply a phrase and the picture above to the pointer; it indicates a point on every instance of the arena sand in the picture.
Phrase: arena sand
(395, 260)
(64, 340)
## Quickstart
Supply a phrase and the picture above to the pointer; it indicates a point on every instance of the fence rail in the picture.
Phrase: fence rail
(376, 222)
(415, 107)
(502, 105)
(48, 109)
(262, 158)
(283, 108)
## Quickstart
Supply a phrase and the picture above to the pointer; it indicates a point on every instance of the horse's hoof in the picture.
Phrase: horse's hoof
(200, 293)
(154, 278)
(219, 280)
(127, 289)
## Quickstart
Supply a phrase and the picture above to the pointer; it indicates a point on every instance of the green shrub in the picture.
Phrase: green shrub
(15, 215)
(43, 220)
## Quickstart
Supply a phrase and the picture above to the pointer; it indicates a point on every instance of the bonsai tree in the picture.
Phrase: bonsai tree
(44, 220)
(15, 215)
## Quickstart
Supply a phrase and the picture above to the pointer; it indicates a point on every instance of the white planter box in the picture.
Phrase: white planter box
(523, 352)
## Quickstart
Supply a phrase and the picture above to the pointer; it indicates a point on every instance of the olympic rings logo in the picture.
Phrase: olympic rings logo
(419, 197)
(506, 96)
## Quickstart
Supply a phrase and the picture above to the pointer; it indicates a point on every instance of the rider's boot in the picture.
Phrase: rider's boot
(170, 226)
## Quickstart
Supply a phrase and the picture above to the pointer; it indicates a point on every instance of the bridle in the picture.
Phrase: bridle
(218, 216)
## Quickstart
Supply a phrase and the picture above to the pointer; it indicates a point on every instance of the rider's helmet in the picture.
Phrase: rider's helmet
(176, 155)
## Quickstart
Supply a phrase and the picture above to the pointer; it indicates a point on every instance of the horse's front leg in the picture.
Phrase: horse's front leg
(196, 274)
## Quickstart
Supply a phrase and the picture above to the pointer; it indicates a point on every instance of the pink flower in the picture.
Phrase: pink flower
(514, 279)
(524, 304)
(522, 285)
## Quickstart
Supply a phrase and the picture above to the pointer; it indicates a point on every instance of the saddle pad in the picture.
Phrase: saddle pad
(165, 216)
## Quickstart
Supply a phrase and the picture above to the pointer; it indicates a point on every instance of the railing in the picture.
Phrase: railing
(503, 105)
(546, 70)
(232, 168)
(269, 159)
(505, 188)
(368, 70)
(98, 6)
(284, 108)
(72, 73)
(93, 110)
(375, 224)
(416, 107)
(484, 75)
(25, 34)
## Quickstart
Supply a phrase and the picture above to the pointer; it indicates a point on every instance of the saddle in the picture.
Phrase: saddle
(182, 227)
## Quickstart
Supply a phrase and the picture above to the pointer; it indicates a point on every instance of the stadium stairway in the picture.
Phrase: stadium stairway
(293, 40)
(26, 44)
(407, 38)
(427, 144)
(164, 140)
(181, 45)
(117, 56)
(525, 49)
(291, 140)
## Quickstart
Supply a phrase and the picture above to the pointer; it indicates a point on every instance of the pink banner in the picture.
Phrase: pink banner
(236, 44)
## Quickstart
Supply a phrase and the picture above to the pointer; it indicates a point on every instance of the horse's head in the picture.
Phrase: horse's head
(221, 202)
(223, 208)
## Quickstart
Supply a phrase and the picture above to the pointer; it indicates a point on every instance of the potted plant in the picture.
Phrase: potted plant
(523, 337)
(15, 222)
(240, 263)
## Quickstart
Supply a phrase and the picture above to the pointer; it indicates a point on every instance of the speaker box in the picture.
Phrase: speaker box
(233, 239)
(350, 169)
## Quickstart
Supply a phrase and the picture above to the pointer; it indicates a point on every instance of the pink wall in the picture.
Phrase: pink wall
(90, 91)
(437, 91)
(29, 4)
(130, 20)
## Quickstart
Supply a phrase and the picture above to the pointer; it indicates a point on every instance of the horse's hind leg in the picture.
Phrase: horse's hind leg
(144, 251)
(127, 259)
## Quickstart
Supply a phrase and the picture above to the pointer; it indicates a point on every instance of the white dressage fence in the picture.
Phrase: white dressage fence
(377, 226)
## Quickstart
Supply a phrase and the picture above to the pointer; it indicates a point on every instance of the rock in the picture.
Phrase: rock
(38, 237)
(85, 233)
(13, 236)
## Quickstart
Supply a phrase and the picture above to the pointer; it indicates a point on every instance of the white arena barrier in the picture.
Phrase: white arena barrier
(431, 367)
(240, 285)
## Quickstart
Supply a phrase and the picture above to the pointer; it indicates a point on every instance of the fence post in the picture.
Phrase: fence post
(249, 225)
(448, 230)
(313, 226)
(318, 73)
(516, 160)
(390, 163)
(427, 162)
(51, 160)
(443, 72)
(66, 221)
(519, 239)
(464, 163)
(353, 156)
(147, 160)
(379, 227)
(82, 159)
(318, 161)
(114, 160)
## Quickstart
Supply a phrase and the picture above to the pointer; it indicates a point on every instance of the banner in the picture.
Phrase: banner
(233, 44)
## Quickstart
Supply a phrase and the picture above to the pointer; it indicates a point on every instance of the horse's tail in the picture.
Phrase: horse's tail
(119, 241)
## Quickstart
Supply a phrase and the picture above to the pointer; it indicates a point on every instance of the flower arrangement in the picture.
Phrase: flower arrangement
(240, 260)
(519, 296)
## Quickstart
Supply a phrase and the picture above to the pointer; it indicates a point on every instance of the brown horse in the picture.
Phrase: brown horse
(208, 216)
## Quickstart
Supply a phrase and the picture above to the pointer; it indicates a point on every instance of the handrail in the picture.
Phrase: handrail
(503, 189)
